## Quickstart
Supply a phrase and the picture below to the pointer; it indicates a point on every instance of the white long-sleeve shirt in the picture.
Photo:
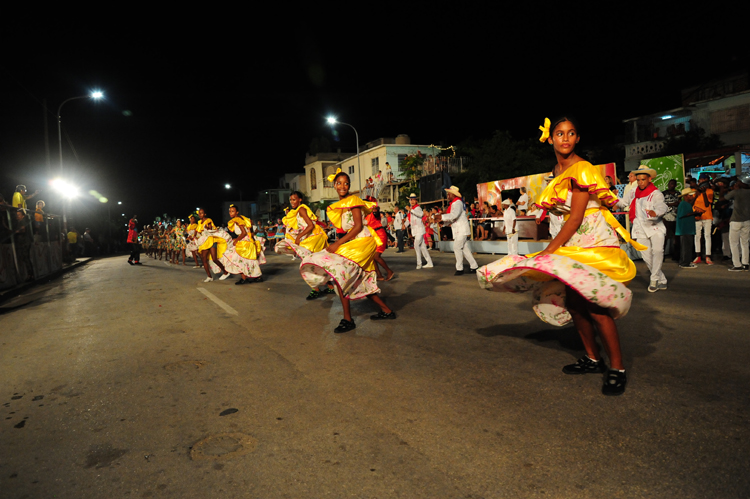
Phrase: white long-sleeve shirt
(645, 226)
(456, 219)
(415, 220)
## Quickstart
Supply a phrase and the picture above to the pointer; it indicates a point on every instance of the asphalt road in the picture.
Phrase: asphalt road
(123, 381)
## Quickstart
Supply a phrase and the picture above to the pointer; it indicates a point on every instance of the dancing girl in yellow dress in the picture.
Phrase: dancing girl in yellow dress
(349, 261)
(582, 274)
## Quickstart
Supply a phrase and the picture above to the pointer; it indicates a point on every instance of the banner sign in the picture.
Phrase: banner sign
(534, 184)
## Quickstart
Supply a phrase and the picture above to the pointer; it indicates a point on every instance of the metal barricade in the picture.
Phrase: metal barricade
(31, 245)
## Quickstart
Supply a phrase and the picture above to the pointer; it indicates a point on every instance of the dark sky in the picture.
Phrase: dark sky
(198, 99)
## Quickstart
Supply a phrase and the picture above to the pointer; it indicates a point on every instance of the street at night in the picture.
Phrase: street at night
(124, 381)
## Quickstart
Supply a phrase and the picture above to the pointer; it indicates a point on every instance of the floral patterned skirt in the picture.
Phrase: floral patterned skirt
(355, 282)
(547, 276)
(310, 244)
(242, 257)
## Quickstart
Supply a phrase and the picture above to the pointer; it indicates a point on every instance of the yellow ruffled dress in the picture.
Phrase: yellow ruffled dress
(591, 261)
(352, 266)
(242, 256)
(313, 242)
(205, 238)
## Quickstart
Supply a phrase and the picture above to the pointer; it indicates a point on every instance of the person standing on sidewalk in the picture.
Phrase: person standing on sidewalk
(455, 217)
(685, 227)
(703, 202)
(646, 212)
(400, 228)
(135, 248)
(739, 224)
(414, 218)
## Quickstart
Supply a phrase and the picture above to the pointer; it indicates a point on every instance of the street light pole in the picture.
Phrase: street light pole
(333, 121)
(95, 95)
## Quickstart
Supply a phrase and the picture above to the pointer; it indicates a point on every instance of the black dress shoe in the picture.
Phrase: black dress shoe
(471, 271)
(240, 282)
(459, 272)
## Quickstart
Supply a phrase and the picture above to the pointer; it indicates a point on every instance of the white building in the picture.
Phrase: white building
(721, 107)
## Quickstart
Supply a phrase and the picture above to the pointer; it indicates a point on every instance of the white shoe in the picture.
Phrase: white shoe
(197, 267)
(419, 267)
(225, 276)
(429, 266)
(208, 279)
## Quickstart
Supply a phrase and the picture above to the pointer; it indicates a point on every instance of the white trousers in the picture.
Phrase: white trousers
(654, 256)
(513, 244)
(421, 249)
(462, 250)
(704, 227)
(739, 238)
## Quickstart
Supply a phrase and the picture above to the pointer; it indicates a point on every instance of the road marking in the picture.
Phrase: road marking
(217, 301)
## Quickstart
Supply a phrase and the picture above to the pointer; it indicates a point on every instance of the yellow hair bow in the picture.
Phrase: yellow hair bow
(545, 130)
(332, 177)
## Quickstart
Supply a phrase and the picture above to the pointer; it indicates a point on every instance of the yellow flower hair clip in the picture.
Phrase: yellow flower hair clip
(545, 130)
(331, 178)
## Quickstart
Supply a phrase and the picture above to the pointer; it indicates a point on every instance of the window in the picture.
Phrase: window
(401, 158)
(351, 170)
(375, 166)
(313, 180)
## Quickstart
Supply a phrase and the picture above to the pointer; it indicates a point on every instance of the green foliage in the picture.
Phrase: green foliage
(412, 166)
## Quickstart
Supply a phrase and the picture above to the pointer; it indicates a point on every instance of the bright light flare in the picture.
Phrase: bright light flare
(331, 120)
(227, 186)
(97, 95)
(66, 189)
(99, 196)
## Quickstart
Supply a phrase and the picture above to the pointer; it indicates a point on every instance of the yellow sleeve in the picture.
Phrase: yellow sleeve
(586, 176)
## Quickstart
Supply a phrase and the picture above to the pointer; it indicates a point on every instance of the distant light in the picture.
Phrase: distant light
(97, 95)
(331, 120)
(227, 186)
(666, 116)
(123, 214)
(119, 202)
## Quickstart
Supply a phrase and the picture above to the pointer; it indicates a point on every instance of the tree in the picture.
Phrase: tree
(501, 157)
(694, 140)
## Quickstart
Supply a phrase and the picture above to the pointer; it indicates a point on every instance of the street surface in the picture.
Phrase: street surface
(123, 381)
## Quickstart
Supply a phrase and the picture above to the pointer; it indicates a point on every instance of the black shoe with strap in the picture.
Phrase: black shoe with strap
(614, 382)
(382, 315)
(313, 294)
(345, 326)
(585, 365)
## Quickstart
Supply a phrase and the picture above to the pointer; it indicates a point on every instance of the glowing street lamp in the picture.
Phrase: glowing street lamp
(229, 186)
(333, 121)
(95, 95)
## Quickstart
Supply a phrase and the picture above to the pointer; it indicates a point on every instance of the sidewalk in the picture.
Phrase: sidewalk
(7, 294)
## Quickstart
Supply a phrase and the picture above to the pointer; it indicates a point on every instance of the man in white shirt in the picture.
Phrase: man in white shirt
(455, 217)
(523, 202)
(414, 219)
(647, 207)
(398, 226)
(509, 226)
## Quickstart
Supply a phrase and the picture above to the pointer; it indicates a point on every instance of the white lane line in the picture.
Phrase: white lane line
(217, 301)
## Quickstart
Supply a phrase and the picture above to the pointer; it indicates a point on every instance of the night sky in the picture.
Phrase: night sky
(196, 99)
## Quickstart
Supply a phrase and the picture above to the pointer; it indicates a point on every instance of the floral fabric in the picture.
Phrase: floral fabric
(590, 262)
(352, 265)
